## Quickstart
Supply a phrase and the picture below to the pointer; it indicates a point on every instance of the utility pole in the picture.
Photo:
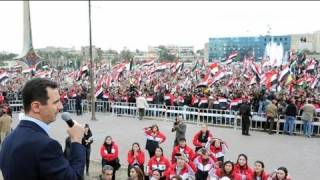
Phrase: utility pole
(93, 112)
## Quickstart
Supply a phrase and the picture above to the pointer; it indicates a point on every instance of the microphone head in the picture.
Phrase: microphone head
(66, 116)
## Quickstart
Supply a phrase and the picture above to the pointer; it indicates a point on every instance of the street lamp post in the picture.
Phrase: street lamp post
(93, 112)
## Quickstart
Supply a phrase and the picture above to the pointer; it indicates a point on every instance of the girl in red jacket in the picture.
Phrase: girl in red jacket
(281, 174)
(227, 171)
(154, 138)
(218, 149)
(242, 168)
(259, 173)
(110, 155)
(160, 163)
(205, 165)
(201, 138)
(182, 148)
(135, 157)
(183, 168)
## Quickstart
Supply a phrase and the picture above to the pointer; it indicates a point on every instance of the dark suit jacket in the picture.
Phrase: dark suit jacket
(28, 153)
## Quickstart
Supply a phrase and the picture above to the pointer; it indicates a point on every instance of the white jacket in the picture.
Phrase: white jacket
(142, 102)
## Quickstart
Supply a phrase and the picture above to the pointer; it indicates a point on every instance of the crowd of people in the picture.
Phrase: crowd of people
(242, 87)
(204, 160)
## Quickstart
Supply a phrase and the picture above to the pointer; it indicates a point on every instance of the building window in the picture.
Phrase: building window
(275, 39)
(285, 39)
(280, 39)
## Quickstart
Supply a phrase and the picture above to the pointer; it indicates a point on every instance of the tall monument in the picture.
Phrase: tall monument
(28, 55)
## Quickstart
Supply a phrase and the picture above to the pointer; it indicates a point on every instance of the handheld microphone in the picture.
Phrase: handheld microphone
(67, 118)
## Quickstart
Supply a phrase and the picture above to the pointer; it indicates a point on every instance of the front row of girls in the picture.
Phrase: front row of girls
(207, 163)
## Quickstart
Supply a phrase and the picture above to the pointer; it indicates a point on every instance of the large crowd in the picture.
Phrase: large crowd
(290, 90)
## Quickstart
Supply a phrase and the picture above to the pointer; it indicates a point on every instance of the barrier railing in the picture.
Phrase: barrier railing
(224, 118)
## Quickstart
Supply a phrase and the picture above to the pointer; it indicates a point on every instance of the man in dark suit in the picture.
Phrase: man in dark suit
(245, 112)
(29, 153)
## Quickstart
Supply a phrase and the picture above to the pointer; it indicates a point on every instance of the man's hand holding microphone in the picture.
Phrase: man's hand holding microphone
(75, 131)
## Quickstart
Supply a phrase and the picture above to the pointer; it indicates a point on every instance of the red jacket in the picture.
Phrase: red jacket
(198, 162)
(163, 165)
(244, 171)
(196, 141)
(168, 97)
(160, 137)
(186, 150)
(186, 171)
(220, 151)
(139, 159)
(264, 176)
(112, 156)
(234, 176)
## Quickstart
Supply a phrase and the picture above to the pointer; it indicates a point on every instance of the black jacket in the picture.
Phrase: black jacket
(291, 110)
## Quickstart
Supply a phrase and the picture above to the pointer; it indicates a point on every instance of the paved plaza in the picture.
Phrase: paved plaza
(299, 154)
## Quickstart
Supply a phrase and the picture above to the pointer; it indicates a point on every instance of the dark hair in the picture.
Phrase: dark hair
(177, 177)
(285, 170)
(254, 173)
(154, 125)
(36, 90)
(132, 147)
(139, 172)
(223, 171)
(245, 156)
(160, 149)
(182, 139)
(260, 162)
(104, 143)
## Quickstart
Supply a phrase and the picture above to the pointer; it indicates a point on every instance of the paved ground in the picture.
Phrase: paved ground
(299, 154)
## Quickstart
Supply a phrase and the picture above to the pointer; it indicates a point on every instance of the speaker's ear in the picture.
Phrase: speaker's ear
(35, 106)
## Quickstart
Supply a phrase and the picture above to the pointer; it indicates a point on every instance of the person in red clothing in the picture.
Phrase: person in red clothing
(259, 173)
(182, 168)
(227, 170)
(205, 164)
(154, 138)
(110, 154)
(281, 174)
(202, 137)
(218, 149)
(182, 148)
(135, 157)
(242, 168)
(159, 162)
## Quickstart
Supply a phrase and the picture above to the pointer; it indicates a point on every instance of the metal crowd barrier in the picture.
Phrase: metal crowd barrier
(223, 118)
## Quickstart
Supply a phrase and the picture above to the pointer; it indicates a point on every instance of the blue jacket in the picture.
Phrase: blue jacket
(28, 153)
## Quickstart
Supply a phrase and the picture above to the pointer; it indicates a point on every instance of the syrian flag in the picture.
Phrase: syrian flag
(218, 76)
(311, 66)
(284, 73)
(269, 78)
(233, 55)
(99, 88)
(234, 104)
(314, 82)
(43, 74)
(256, 69)
(214, 68)
(195, 66)
(29, 70)
(162, 67)
(148, 63)
(4, 76)
(206, 82)
(84, 72)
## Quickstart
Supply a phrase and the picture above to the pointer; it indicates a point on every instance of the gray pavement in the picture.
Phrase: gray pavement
(299, 154)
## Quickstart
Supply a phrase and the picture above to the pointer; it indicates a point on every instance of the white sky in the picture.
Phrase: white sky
(139, 24)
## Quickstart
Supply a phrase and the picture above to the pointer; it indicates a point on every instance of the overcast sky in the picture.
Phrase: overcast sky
(137, 25)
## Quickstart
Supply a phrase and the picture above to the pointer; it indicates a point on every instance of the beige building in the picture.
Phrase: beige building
(307, 41)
